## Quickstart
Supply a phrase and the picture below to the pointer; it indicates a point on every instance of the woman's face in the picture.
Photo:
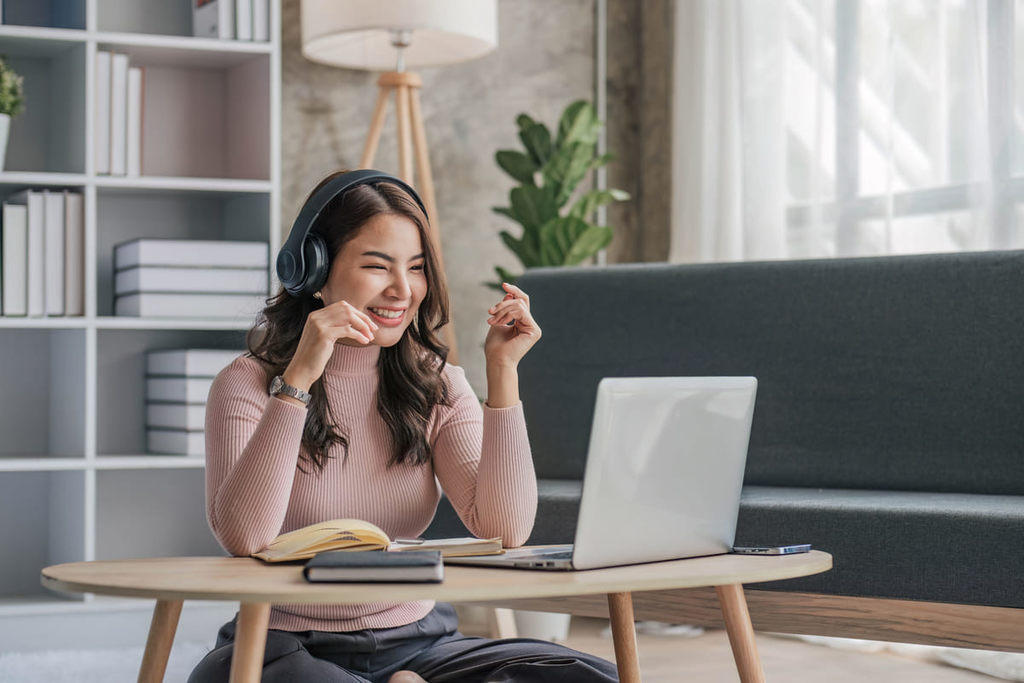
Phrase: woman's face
(380, 272)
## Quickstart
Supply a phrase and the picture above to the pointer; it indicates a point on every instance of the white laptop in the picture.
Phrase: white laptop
(663, 475)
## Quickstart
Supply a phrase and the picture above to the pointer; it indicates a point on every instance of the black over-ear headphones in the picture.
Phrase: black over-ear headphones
(303, 262)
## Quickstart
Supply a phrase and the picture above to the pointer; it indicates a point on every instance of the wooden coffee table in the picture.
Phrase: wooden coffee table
(256, 586)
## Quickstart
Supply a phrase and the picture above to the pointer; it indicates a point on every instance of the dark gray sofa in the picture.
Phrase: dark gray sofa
(888, 428)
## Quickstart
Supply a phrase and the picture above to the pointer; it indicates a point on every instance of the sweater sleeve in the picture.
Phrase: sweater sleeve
(252, 449)
(482, 459)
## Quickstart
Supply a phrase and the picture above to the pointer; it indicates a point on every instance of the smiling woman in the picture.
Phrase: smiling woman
(364, 420)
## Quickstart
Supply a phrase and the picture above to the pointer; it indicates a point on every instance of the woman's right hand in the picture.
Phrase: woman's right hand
(325, 327)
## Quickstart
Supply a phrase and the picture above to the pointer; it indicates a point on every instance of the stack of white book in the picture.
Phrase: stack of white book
(118, 123)
(165, 278)
(43, 254)
(231, 19)
(177, 384)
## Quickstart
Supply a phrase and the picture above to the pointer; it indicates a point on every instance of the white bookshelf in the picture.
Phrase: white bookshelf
(75, 480)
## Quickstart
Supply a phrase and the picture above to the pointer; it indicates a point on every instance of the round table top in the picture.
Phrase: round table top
(245, 579)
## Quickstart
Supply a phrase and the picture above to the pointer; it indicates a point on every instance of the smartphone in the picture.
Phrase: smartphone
(772, 550)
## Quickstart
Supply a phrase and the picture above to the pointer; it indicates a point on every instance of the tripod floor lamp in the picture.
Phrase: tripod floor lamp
(391, 36)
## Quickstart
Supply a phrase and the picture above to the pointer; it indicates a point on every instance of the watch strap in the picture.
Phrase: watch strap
(279, 386)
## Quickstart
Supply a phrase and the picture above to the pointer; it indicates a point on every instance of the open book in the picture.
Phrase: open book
(356, 534)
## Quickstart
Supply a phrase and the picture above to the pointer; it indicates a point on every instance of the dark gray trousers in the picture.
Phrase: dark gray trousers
(432, 647)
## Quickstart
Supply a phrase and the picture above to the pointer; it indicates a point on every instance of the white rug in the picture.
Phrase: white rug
(94, 666)
(1006, 665)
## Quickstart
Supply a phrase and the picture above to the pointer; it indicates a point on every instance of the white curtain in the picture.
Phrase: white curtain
(810, 128)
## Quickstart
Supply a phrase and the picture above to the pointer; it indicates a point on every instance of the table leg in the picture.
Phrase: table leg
(250, 641)
(620, 608)
(741, 632)
(161, 637)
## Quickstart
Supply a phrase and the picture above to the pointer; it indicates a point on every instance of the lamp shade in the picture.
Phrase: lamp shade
(358, 33)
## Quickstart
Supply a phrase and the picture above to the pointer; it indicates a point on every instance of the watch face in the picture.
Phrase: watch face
(276, 384)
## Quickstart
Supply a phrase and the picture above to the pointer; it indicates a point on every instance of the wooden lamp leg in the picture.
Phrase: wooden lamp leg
(161, 637)
(250, 642)
(380, 112)
(741, 633)
(620, 608)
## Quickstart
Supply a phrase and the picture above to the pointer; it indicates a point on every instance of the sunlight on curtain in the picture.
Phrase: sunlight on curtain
(847, 127)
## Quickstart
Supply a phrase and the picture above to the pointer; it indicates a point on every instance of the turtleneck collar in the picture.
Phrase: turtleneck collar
(353, 360)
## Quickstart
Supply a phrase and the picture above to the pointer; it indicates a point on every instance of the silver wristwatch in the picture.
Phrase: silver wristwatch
(279, 386)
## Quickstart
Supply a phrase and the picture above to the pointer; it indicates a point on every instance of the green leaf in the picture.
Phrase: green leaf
(536, 139)
(557, 238)
(532, 207)
(586, 205)
(589, 242)
(566, 169)
(578, 124)
(503, 211)
(518, 165)
(521, 248)
(524, 121)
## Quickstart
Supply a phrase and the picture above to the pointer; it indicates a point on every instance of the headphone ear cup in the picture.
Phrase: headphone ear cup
(318, 265)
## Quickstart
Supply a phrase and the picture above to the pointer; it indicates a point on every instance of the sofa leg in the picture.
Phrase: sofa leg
(741, 632)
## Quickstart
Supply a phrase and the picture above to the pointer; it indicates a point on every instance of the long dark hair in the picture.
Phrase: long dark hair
(410, 383)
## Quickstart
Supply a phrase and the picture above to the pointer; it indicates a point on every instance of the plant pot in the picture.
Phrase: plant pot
(5, 128)
(542, 625)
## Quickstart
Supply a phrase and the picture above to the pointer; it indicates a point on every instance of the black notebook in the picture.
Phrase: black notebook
(375, 566)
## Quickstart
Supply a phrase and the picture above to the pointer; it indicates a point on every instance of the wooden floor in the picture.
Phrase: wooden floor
(707, 658)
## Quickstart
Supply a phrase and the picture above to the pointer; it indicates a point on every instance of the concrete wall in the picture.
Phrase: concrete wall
(546, 58)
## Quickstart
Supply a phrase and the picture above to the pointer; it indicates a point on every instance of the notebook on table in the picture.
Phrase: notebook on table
(663, 475)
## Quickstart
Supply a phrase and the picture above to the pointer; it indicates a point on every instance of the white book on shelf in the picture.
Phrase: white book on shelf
(243, 19)
(134, 142)
(189, 362)
(175, 442)
(178, 389)
(74, 254)
(118, 114)
(213, 19)
(36, 261)
(15, 259)
(101, 132)
(176, 416)
(173, 305)
(53, 248)
(179, 279)
(209, 253)
(261, 20)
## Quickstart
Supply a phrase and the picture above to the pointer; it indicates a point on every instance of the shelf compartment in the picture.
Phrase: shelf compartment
(121, 380)
(205, 114)
(68, 14)
(44, 377)
(146, 513)
(124, 215)
(50, 511)
(49, 135)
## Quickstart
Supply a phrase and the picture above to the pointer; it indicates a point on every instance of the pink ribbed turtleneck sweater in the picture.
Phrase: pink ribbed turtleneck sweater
(256, 490)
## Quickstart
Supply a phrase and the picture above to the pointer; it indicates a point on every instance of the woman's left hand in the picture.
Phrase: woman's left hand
(513, 330)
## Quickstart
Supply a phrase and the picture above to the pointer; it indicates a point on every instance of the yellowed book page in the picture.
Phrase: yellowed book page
(335, 534)
(452, 547)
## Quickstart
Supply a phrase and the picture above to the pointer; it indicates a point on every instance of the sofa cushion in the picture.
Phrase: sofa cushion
(941, 547)
(899, 373)
(558, 503)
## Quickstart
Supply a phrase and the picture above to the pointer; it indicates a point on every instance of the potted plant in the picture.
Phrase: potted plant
(11, 103)
(548, 172)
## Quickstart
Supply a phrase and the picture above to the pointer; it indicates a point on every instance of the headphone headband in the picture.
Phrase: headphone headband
(304, 273)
